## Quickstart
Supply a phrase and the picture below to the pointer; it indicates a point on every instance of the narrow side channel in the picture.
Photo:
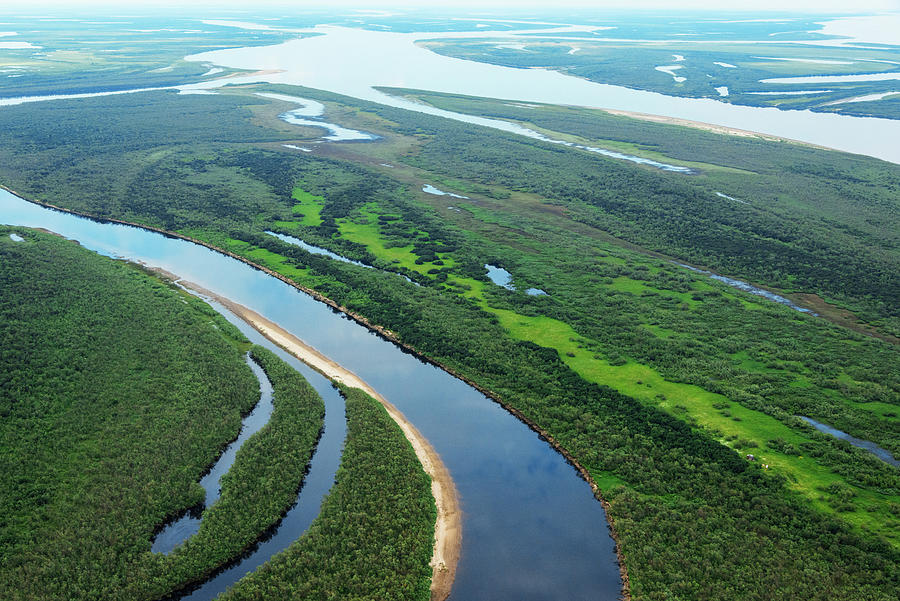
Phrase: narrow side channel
(316, 484)
(178, 531)
(866, 445)
(448, 527)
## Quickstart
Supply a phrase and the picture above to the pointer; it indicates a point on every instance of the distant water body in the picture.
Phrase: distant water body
(354, 62)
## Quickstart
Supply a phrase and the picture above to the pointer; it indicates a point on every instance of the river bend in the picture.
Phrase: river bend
(532, 527)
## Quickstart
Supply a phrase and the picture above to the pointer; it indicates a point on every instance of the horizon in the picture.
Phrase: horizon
(823, 7)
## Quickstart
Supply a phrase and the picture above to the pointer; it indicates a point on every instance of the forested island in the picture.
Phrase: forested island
(119, 391)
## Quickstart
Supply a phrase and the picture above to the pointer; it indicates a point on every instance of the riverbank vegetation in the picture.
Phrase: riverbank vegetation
(256, 491)
(104, 366)
(373, 537)
(657, 379)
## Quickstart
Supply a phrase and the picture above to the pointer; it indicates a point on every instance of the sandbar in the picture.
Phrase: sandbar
(448, 526)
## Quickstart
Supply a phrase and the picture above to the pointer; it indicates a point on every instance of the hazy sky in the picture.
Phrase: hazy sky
(808, 6)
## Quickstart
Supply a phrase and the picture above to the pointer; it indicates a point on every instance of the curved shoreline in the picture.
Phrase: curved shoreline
(448, 526)
(391, 337)
(712, 127)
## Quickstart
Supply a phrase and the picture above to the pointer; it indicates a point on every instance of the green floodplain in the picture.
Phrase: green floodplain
(104, 365)
(659, 380)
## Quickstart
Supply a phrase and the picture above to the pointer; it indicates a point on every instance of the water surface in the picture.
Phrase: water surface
(532, 528)
(311, 108)
(316, 483)
(873, 448)
(355, 61)
(316, 250)
(188, 525)
(535, 292)
(834, 78)
(748, 287)
(503, 278)
(429, 189)
(499, 276)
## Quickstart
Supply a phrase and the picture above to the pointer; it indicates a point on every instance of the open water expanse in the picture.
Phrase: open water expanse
(356, 61)
(532, 528)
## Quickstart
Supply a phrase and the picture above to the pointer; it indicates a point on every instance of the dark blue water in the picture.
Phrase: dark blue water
(532, 528)
(188, 525)
(873, 448)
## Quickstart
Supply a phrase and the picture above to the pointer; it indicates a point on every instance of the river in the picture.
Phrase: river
(186, 526)
(355, 61)
(532, 528)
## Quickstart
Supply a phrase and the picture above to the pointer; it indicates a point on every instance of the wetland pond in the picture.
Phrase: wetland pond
(532, 528)
(503, 278)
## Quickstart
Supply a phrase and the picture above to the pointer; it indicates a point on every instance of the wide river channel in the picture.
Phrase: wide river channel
(532, 528)
(356, 61)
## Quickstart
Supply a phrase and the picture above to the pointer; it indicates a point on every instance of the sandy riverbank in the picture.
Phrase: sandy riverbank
(719, 129)
(448, 527)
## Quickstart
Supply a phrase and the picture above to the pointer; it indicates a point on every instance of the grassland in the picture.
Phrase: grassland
(747, 430)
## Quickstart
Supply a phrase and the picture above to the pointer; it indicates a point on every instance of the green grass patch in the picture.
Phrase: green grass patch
(308, 207)
(366, 231)
(729, 422)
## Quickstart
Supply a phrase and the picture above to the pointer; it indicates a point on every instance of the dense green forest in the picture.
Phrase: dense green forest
(373, 536)
(659, 380)
(105, 367)
(102, 368)
(257, 490)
